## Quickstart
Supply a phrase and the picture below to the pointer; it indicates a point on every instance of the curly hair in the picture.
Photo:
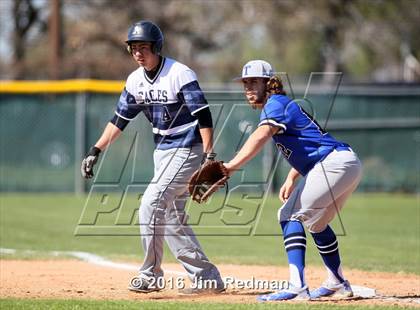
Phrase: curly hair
(275, 86)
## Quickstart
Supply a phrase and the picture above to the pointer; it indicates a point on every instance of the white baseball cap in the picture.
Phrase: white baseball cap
(256, 68)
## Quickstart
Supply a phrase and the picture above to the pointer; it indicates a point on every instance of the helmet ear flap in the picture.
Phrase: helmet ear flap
(157, 47)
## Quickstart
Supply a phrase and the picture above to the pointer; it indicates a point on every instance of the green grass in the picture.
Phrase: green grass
(382, 231)
(107, 304)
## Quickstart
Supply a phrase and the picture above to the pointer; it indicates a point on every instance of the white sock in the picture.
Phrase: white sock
(332, 278)
(296, 279)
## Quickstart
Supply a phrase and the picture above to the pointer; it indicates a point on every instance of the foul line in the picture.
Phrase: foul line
(89, 258)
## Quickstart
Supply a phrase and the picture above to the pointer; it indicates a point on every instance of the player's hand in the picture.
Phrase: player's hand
(89, 161)
(286, 189)
(229, 168)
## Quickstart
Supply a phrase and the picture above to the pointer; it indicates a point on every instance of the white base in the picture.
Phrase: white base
(362, 291)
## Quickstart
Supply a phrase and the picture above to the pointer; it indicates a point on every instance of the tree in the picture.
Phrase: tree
(25, 16)
(367, 40)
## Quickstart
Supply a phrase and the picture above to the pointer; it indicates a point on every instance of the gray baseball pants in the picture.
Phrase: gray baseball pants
(162, 216)
(321, 194)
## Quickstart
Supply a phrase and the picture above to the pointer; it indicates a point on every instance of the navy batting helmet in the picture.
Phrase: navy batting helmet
(147, 32)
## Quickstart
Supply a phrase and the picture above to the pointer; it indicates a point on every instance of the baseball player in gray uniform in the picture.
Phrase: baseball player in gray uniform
(330, 171)
(168, 94)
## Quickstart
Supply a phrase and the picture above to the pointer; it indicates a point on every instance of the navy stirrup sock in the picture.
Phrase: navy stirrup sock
(327, 245)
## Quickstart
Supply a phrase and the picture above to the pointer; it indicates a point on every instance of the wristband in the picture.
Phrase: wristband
(94, 151)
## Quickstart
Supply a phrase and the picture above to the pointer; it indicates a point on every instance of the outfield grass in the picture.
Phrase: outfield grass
(83, 304)
(382, 231)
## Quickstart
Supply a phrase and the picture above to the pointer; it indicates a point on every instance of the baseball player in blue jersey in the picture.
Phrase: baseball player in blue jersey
(330, 171)
(169, 96)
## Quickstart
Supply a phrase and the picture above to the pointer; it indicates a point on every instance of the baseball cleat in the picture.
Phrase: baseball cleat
(141, 285)
(295, 293)
(341, 290)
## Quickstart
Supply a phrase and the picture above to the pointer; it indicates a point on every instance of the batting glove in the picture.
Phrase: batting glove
(208, 156)
(89, 161)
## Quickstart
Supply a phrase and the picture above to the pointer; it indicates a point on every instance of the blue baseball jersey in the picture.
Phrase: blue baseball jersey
(301, 140)
(169, 102)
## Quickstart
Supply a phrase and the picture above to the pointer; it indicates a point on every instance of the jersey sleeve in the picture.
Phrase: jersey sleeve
(127, 107)
(189, 92)
(273, 114)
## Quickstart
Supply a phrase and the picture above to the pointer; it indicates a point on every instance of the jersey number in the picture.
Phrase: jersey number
(166, 117)
(285, 151)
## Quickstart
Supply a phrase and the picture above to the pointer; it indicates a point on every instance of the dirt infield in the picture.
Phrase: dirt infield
(76, 279)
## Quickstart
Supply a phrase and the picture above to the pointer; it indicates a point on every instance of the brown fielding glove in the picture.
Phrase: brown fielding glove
(211, 176)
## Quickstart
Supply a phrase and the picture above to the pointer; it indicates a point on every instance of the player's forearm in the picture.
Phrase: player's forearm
(207, 137)
(110, 134)
(251, 148)
(293, 174)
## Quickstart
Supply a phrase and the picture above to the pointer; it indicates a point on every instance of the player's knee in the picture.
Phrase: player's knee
(150, 195)
(156, 199)
(283, 214)
(279, 215)
(190, 254)
(177, 218)
(316, 227)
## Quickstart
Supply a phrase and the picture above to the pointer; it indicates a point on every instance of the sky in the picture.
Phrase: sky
(6, 25)
(5, 29)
